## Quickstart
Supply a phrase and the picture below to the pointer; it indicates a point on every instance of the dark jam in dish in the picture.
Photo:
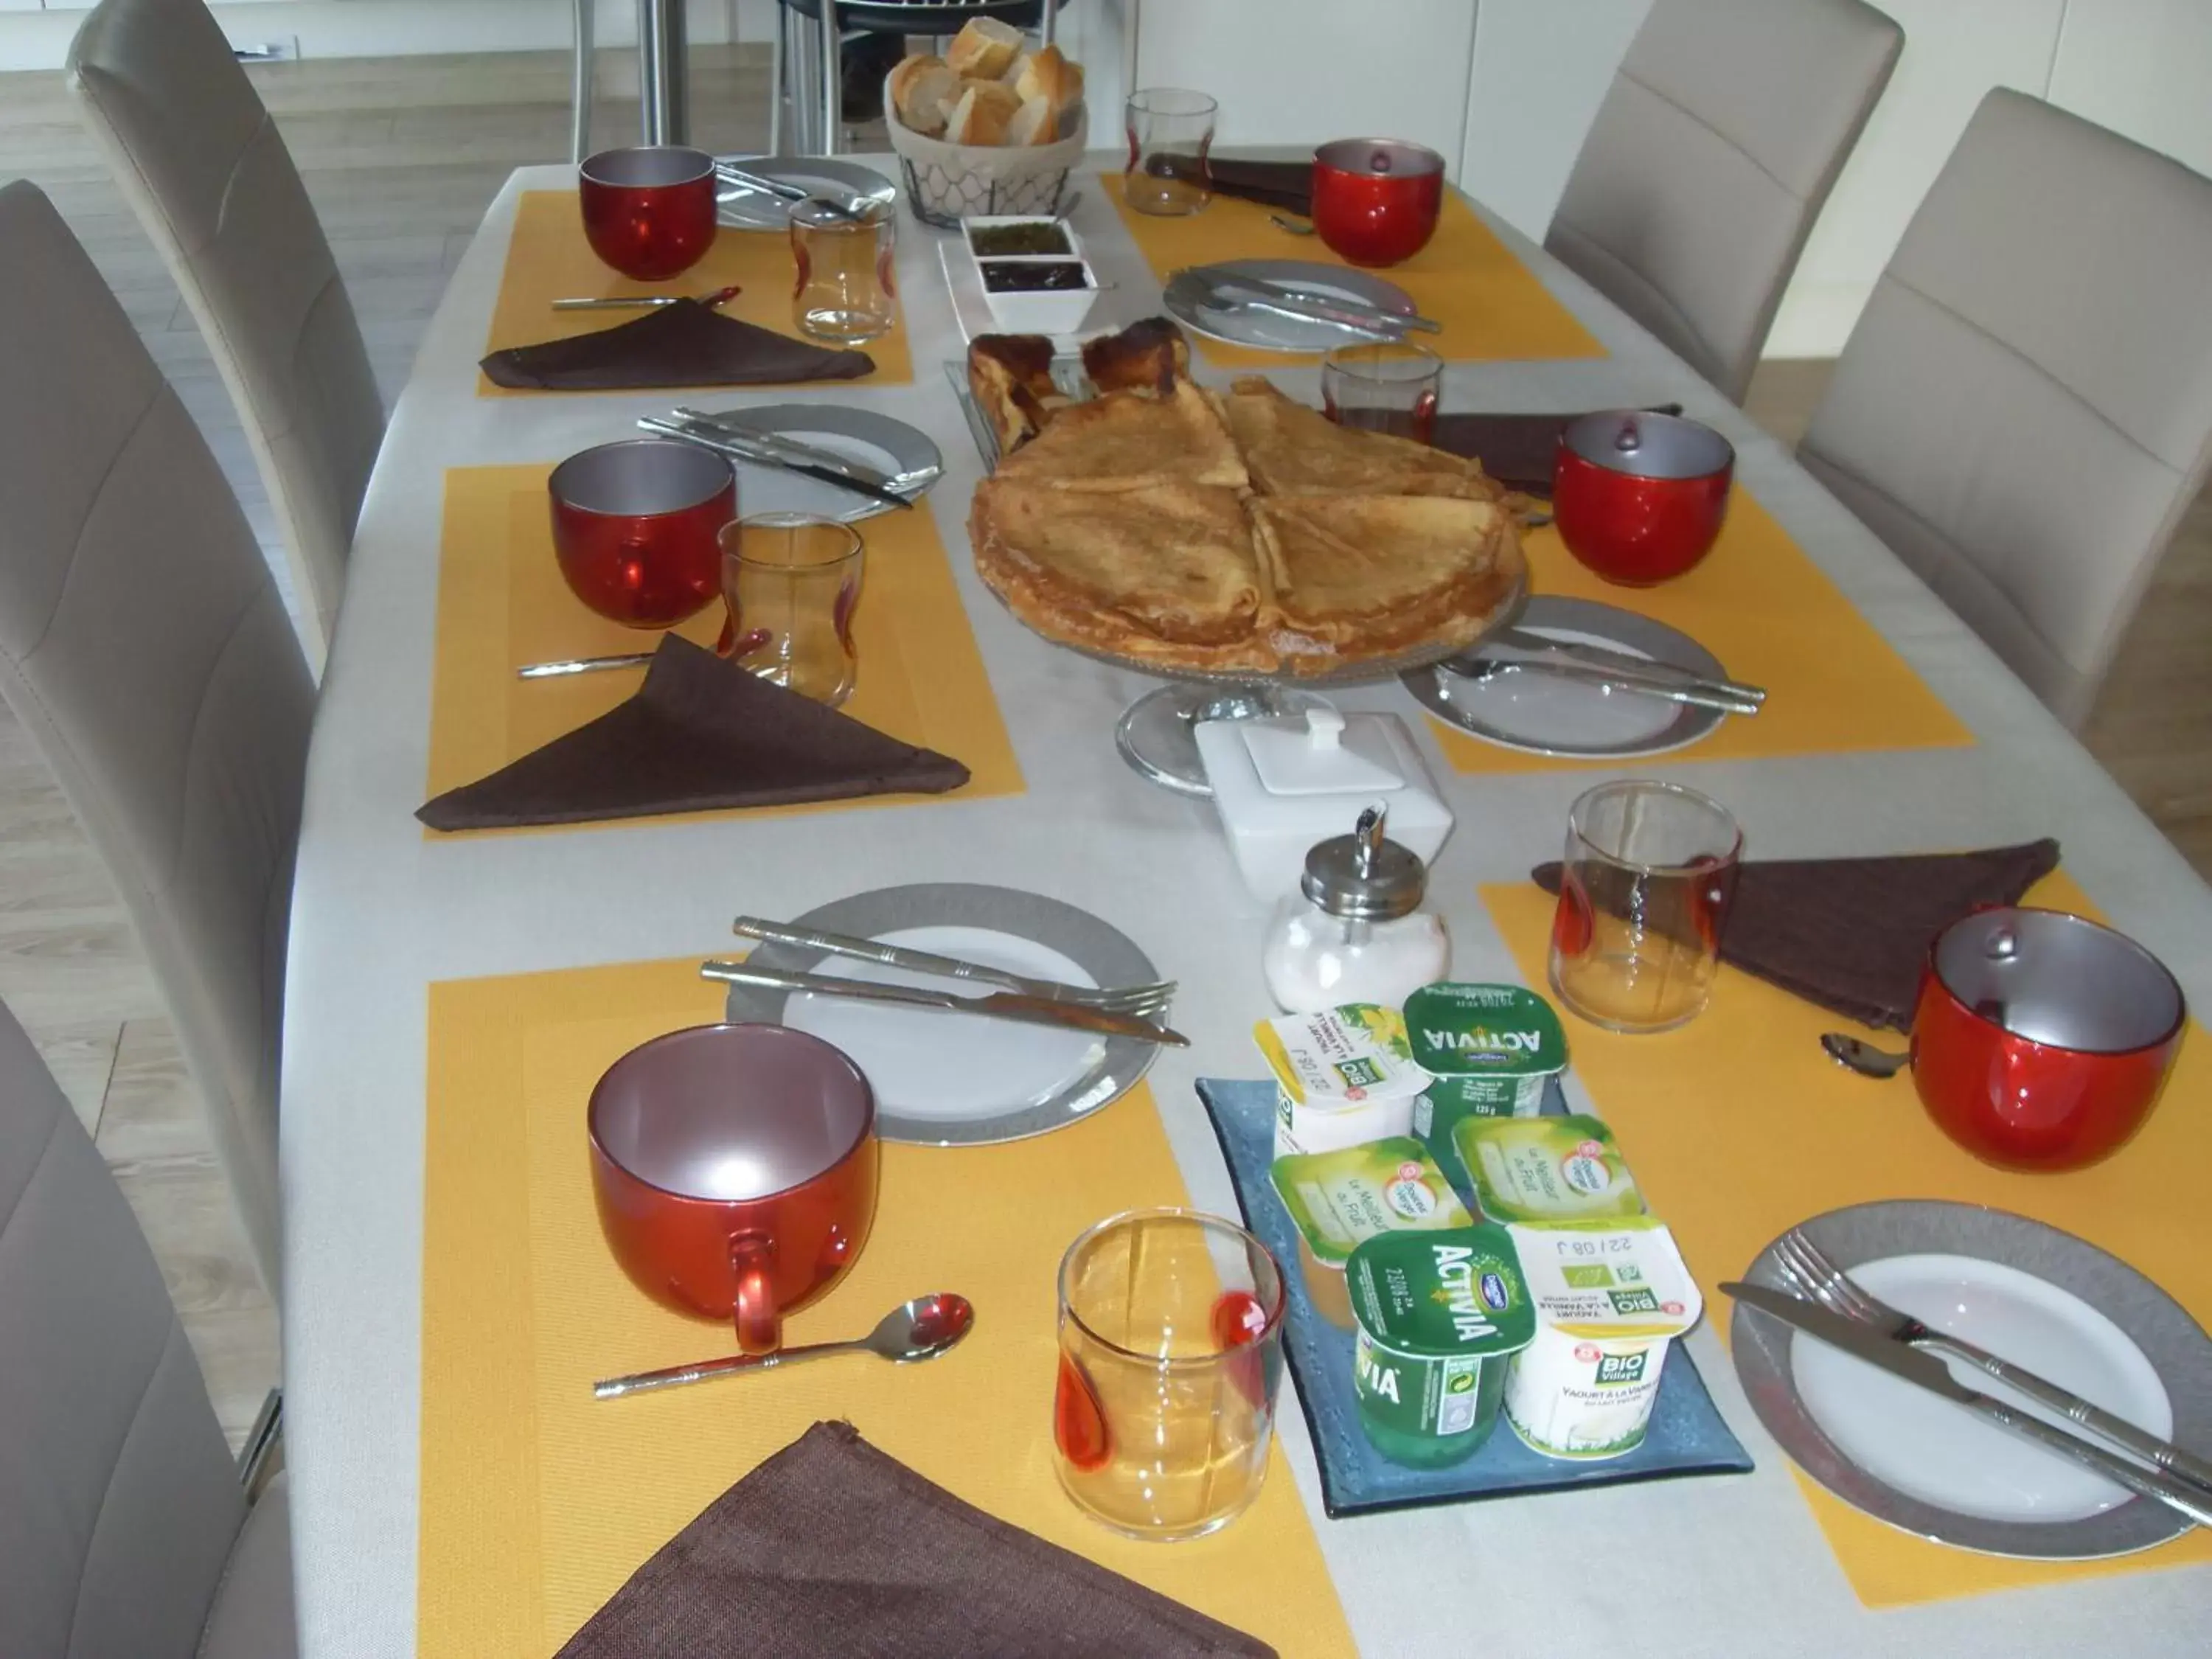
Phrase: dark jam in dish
(1034, 236)
(1009, 277)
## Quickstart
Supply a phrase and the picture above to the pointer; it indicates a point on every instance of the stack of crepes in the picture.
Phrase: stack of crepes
(1237, 533)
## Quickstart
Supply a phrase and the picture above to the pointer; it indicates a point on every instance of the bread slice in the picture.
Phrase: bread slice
(1047, 74)
(1139, 573)
(982, 113)
(1149, 356)
(1127, 441)
(1037, 122)
(1355, 577)
(1010, 377)
(985, 46)
(1294, 450)
(917, 91)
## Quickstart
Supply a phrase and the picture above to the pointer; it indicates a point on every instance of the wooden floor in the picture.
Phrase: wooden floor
(402, 156)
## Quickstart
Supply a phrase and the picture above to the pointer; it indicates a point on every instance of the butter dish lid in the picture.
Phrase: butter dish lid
(1439, 1295)
(1308, 754)
(1459, 1029)
(1337, 1200)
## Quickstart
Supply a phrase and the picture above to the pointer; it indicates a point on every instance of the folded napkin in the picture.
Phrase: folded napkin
(700, 733)
(1851, 934)
(1286, 184)
(683, 344)
(1517, 450)
(832, 1548)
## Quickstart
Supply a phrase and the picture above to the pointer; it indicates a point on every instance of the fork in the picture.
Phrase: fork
(1140, 1001)
(1817, 1274)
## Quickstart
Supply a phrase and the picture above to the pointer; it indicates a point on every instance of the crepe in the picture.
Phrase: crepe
(1009, 378)
(1359, 577)
(1166, 574)
(1293, 450)
(1131, 441)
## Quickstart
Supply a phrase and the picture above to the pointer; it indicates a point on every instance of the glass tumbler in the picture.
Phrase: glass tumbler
(792, 583)
(1643, 893)
(1383, 388)
(1170, 132)
(845, 290)
(1170, 1351)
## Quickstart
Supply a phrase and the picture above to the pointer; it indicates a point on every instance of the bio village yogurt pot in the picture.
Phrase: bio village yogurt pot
(1609, 1297)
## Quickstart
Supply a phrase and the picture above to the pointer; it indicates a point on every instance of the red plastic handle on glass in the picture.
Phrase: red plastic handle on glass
(753, 1311)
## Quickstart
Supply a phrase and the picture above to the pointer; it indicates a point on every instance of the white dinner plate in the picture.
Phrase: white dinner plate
(1242, 326)
(944, 1079)
(753, 209)
(2047, 1301)
(1541, 713)
(906, 454)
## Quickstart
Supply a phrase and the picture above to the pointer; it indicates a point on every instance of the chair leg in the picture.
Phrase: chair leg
(775, 83)
(833, 87)
(580, 96)
(1051, 21)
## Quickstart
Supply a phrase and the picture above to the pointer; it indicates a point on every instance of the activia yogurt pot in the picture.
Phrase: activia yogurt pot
(1436, 1316)
(1489, 1049)
(1545, 1169)
(1339, 1199)
(1342, 1076)
(1610, 1296)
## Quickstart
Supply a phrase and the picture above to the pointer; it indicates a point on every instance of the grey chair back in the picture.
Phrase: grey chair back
(208, 174)
(1712, 156)
(143, 646)
(2024, 410)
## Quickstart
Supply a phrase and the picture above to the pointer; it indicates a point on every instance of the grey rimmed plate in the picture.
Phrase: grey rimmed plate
(1541, 713)
(751, 209)
(2025, 1291)
(904, 454)
(1191, 302)
(954, 1079)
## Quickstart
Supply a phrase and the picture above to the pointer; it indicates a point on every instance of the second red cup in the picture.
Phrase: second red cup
(1375, 200)
(635, 528)
(1639, 497)
(649, 212)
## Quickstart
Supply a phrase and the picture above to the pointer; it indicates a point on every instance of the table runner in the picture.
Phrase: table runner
(1774, 619)
(537, 1500)
(1491, 306)
(1738, 1126)
(548, 259)
(502, 604)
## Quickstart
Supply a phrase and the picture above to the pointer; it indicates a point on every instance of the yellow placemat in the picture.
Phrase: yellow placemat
(502, 604)
(1738, 1126)
(537, 1500)
(1490, 305)
(1774, 619)
(548, 259)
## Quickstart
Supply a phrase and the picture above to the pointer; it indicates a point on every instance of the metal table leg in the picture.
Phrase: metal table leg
(833, 74)
(664, 116)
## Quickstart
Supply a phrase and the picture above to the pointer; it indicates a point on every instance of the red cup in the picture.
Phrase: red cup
(1375, 200)
(648, 212)
(1639, 498)
(635, 528)
(735, 1172)
(2040, 1040)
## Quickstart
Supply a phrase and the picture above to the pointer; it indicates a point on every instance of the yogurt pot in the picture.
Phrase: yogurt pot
(1545, 1169)
(1342, 1076)
(1490, 1051)
(1610, 1297)
(1437, 1317)
(1338, 1200)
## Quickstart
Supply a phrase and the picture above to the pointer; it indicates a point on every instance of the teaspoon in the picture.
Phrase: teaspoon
(919, 1329)
(1853, 1055)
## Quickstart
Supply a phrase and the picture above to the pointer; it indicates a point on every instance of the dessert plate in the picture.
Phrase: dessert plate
(904, 455)
(751, 209)
(1192, 304)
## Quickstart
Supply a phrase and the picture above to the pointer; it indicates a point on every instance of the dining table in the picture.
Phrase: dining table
(382, 912)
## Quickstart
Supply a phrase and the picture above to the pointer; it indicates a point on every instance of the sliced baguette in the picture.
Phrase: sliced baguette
(984, 47)
(1037, 122)
(920, 90)
(979, 118)
(1049, 76)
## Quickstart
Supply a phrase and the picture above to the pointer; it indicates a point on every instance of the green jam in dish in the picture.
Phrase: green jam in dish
(1029, 238)
(1034, 276)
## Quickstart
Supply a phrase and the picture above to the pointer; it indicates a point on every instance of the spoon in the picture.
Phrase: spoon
(919, 1329)
(1295, 227)
(1863, 1058)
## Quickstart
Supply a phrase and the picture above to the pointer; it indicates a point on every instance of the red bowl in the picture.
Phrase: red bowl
(734, 1167)
(635, 528)
(1375, 200)
(2040, 1040)
(1637, 497)
(648, 212)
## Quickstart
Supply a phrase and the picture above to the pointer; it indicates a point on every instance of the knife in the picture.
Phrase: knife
(730, 425)
(1599, 656)
(899, 955)
(1926, 1371)
(1352, 314)
(1000, 1005)
(755, 454)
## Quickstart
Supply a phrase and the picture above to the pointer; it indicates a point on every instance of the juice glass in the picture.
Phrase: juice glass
(845, 288)
(1383, 387)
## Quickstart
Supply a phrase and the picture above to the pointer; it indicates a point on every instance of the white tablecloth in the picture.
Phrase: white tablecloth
(1681, 1567)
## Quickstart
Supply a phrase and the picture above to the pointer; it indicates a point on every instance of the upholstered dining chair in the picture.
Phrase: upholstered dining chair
(207, 174)
(144, 647)
(125, 1530)
(2024, 410)
(1712, 155)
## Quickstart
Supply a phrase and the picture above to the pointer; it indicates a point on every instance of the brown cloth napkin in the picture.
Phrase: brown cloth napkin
(1850, 933)
(1519, 450)
(832, 1548)
(683, 344)
(700, 733)
(1286, 184)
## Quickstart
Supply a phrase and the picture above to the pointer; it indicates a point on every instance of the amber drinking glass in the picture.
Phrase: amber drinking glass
(792, 583)
(1170, 1351)
(1170, 131)
(845, 290)
(1643, 893)
(1383, 388)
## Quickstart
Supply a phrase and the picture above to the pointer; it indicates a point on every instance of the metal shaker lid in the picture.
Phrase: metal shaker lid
(1363, 875)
